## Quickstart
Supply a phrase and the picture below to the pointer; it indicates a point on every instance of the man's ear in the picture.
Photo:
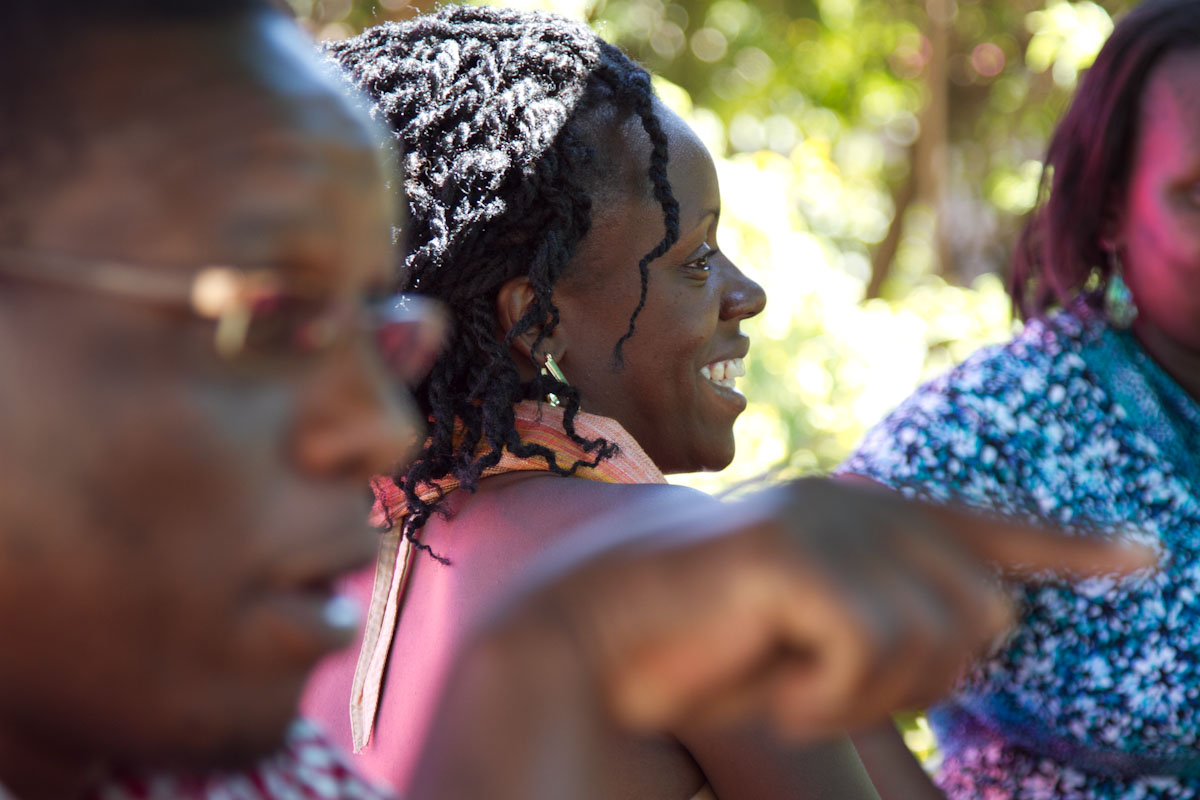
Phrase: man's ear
(513, 301)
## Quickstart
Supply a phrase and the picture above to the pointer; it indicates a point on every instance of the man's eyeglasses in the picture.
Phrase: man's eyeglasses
(254, 312)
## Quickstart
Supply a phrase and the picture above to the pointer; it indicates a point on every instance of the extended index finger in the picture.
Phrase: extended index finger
(1020, 549)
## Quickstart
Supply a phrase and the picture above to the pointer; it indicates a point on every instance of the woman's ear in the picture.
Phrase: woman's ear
(513, 302)
(1111, 229)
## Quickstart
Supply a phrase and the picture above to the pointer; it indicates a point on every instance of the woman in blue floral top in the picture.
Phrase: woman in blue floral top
(1090, 419)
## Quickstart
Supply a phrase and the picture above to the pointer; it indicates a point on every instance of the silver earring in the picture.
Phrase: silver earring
(1119, 304)
(550, 368)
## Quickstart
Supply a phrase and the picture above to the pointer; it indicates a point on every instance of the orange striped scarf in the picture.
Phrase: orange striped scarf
(537, 424)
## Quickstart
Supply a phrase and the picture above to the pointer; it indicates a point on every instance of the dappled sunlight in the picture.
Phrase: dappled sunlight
(825, 365)
(1066, 38)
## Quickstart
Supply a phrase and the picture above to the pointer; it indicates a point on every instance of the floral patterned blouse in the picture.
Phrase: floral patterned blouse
(1096, 696)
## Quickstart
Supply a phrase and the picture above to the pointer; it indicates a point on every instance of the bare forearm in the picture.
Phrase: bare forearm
(520, 721)
(750, 762)
(893, 768)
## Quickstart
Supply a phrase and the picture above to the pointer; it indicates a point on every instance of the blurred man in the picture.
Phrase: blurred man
(191, 214)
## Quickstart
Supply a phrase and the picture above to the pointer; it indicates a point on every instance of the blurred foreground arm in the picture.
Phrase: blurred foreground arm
(816, 607)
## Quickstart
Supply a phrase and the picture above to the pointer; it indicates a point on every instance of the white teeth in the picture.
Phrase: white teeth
(341, 612)
(724, 373)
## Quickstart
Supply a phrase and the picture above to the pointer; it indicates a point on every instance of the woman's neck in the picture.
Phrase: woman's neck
(1179, 361)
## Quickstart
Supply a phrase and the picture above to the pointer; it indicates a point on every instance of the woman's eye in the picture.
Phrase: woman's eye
(700, 262)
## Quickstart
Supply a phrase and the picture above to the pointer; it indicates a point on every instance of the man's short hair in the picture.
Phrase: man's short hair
(40, 44)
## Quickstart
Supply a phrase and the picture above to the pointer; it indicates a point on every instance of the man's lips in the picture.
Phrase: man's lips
(299, 588)
(316, 565)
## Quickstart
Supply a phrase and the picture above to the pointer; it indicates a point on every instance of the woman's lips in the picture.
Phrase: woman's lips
(724, 372)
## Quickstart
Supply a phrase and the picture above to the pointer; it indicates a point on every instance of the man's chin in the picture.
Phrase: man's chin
(242, 751)
(227, 751)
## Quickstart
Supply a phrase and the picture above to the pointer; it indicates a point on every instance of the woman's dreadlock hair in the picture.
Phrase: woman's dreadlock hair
(489, 107)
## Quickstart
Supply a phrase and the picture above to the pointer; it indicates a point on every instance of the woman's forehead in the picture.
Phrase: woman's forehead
(1174, 83)
(624, 150)
(1170, 109)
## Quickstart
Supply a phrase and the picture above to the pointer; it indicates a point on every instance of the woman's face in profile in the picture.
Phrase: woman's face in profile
(1159, 227)
(676, 391)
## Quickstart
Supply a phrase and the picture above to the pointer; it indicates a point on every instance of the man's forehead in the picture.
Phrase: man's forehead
(218, 83)
(259, 134)
(210, 164)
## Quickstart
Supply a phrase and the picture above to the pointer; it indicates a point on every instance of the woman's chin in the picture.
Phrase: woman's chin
(713, 459)
(719, 464)
(728, 397)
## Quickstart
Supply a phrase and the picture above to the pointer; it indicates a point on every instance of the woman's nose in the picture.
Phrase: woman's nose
(743, 298)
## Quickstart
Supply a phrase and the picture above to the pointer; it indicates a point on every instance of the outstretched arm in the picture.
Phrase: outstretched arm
(751, 761)
(894, 769)
(814, 607)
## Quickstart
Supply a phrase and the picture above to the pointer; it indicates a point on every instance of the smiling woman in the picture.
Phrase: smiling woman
(673, 387)
(569, 220)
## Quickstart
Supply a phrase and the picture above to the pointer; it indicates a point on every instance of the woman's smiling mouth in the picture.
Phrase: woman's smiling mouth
(724, 373)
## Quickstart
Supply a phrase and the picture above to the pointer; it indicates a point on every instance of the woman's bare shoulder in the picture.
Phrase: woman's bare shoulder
(561, 500)
(494, 536)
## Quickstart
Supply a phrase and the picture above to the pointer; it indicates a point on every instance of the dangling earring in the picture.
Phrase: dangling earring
(550, 368)
(1119, 304)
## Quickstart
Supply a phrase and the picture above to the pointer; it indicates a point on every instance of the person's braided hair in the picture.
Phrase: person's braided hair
(490, 108)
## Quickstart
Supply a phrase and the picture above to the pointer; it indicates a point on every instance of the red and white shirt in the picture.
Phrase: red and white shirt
(307, 767)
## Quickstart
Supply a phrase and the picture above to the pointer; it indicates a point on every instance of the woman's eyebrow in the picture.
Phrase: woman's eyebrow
(707, 217)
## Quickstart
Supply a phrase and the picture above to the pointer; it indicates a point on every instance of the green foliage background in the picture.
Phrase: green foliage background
(875, 158)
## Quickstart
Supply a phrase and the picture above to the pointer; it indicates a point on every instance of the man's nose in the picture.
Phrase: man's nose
(356, 419)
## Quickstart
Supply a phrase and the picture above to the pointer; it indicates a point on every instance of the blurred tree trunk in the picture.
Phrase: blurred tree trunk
(926, 181)
(932, 148)
(902, 197)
